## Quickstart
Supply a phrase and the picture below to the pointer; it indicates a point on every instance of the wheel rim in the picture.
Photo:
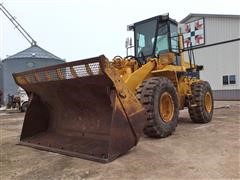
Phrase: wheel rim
(166, 107)
(208, 102)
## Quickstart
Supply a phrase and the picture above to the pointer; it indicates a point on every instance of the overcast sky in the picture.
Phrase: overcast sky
(74, 30)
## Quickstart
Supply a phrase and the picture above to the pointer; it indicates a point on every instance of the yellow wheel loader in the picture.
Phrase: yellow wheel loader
(97, 109)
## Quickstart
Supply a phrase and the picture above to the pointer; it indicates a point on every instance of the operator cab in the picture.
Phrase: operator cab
(154, 36)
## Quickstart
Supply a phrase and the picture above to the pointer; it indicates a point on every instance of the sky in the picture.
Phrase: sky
(78, 29)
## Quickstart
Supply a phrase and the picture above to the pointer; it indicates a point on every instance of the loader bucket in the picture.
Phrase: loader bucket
(81, 109)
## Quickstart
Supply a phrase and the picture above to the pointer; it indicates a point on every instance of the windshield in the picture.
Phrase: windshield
(145, 37)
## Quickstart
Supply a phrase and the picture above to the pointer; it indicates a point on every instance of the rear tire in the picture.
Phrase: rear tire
(24, 107)
(201, 104)
(162, 117)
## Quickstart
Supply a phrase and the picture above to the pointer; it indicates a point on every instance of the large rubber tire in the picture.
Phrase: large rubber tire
(24, 107)
(198, 110)
(149, 94)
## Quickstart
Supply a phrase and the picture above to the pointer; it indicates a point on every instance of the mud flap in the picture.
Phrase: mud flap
(81, 109)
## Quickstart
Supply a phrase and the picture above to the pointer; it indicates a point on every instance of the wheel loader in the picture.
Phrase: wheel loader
(98, 109)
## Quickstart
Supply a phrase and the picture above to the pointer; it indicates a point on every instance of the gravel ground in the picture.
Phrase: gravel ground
(194, 151)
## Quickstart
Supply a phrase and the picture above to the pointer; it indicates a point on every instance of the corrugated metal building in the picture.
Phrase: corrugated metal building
(221, 62)
(30, 58)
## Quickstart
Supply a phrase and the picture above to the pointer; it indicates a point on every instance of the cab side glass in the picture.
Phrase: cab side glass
(174, 37)
(162, 39)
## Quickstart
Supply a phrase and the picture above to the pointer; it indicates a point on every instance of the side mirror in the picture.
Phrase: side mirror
(128, 43)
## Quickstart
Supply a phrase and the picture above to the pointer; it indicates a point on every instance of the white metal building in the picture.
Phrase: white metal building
(221, 62)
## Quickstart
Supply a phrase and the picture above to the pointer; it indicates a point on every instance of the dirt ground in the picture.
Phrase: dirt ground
(194, 151)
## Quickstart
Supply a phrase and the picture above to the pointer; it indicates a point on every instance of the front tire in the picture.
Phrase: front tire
(159, 98)
(201, 104)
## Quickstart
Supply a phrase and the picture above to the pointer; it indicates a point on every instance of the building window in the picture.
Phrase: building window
(225, 80)
(232, 79)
